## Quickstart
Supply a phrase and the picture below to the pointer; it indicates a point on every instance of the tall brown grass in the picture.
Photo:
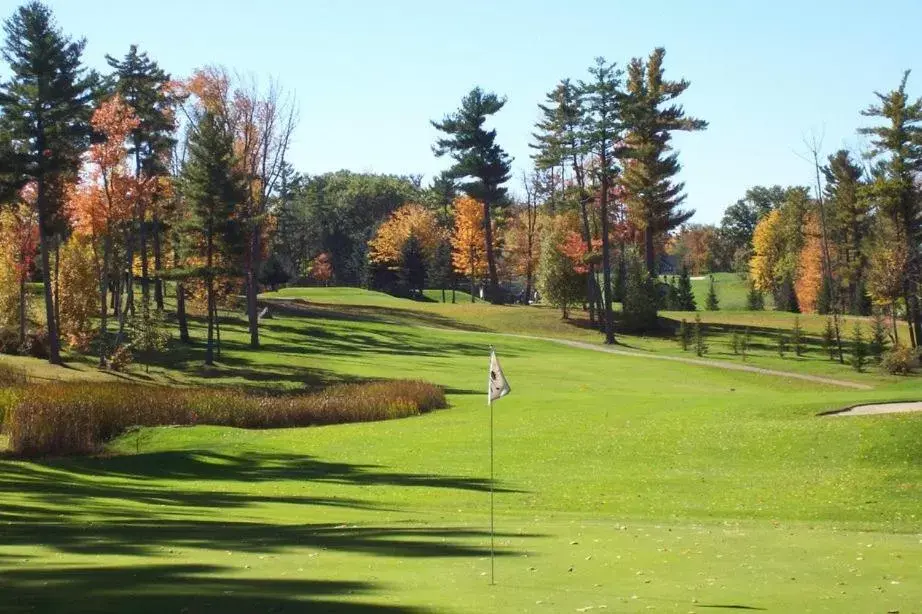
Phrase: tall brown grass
(78, 418)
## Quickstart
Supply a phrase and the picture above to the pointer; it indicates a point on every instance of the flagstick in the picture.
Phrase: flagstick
(492, 581)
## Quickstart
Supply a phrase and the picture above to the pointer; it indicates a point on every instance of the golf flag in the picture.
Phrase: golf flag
(497, 386)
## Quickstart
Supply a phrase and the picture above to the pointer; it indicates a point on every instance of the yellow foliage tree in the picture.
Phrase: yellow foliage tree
(767, 248)
(409, 220)
(809, 280)
(79, 286)
(468, 245)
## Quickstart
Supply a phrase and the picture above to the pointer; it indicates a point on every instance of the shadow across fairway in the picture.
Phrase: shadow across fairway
(180, 588)
(367, 313)
(730, 607)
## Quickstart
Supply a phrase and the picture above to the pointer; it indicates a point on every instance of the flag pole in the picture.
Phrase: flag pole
(492, 557)
(492, 533)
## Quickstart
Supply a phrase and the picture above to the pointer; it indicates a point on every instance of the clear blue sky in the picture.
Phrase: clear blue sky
(370, 74)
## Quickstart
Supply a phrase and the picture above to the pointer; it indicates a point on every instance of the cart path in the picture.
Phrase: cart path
(701, 362)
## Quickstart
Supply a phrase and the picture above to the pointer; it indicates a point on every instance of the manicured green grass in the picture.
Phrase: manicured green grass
(633, 484)
(731, 288)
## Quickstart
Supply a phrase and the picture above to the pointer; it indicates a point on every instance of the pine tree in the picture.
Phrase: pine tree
(142, 84)
(650, 117)
(797, 337)
(601, 136)
(45, 109)
(745, 343)
(479, 159)
(735, 342)
(898, 142)
(685, 297)
(213, 190)
(711, 302)
(850, 224)
(859, 348)
(701, 347)
(824, 297)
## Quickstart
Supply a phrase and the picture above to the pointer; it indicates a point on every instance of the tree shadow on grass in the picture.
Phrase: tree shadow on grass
(188, 589)
(367, 313)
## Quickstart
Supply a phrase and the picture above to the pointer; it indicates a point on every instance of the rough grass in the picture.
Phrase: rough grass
(78, 418)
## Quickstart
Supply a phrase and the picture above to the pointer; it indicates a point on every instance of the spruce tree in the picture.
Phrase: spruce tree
(684, 335)
(213, 190)
(755, 300)
(878, 342)
(859, 348)
(650, 118)
(685, 297)
(701, 347)
(712, 303)
(45, 108)
(480, 161)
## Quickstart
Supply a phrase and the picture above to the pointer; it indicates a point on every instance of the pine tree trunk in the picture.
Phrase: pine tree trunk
(209, 261)
(57, 284)
(145, 270)
(103, 298)
(128, 281)
(472, 273)
(22, 308)
(587, 240)
(491, 260)
(606, 261)
(158, 265)
(181, 312)
(252, 288)
(54, 342)
(649, 251)
(217, 330)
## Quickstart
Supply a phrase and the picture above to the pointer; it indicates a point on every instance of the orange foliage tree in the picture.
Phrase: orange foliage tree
(321, 269)
(809, 281)
(101, 203)
(468, 243)
(409, 220)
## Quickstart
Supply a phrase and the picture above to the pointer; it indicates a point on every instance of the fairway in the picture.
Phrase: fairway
(659, 486)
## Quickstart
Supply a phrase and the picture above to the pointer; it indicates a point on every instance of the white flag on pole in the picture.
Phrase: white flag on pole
(497, 386)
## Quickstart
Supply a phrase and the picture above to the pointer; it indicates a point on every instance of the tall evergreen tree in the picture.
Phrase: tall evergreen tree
(849, 223)
(685, 298)
(559, 143)
(412, 272)
(45, 108)
(213, 190)
(142, 84)
(653, 198)
(899, 143)
(483, 164)
(602, 135)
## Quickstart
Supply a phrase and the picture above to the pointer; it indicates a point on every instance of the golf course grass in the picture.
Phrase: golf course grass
(624, 484)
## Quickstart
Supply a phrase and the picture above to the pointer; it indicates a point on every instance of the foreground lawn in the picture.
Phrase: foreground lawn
(623, 482)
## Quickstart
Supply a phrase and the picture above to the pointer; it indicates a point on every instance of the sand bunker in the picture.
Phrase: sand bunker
(881, 408)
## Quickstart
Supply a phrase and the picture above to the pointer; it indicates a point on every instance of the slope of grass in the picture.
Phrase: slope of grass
(627, 483)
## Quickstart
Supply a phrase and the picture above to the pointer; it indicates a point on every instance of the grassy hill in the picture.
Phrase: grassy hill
(622, 482)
